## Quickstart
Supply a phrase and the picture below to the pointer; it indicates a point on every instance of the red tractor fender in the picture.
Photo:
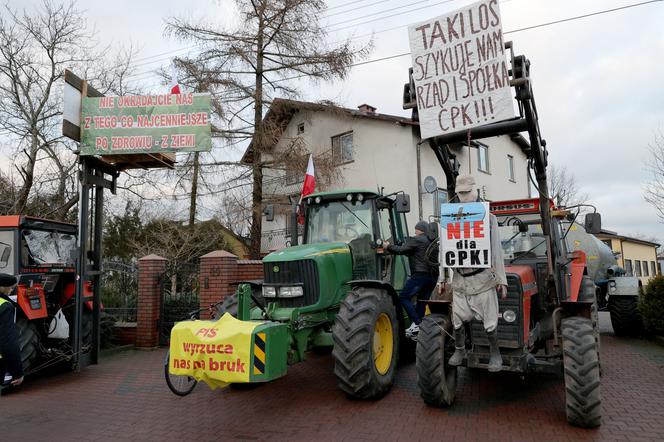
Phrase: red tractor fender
(577, 267)
(70, 290)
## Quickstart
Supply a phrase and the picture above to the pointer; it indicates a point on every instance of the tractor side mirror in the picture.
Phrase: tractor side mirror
(402, 203)
(268, 211)
(593, 223)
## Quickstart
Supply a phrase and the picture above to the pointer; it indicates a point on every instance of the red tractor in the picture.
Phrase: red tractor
(548, 323)
(42, 255)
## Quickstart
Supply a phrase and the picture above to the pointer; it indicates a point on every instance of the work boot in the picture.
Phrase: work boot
(459, 347)
(496, 361)
(412, 331)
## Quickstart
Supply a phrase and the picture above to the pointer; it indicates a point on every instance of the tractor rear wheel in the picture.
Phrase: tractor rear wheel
(582, 378)
(436, 379)
(28, 342)
(625, 317)
(366, 344)
(230, 305)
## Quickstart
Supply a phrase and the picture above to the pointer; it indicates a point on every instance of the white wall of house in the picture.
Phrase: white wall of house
(385, 155)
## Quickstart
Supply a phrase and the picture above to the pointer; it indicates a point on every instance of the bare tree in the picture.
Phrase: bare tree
(35, 49)
(654, 189)
(277, 39)
(563, 189)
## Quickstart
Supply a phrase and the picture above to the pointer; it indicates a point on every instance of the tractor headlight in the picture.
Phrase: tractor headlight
(612, 286)
(509, 316)
(290, 292)
(269, 292)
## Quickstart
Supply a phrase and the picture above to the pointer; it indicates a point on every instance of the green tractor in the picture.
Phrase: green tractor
(337, 291)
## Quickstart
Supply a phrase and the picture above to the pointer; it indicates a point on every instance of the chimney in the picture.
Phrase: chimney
(367, 108)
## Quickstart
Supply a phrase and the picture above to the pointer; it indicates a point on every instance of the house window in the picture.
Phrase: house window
(608, 243)
(637, 268)
(628, 267)
(510, 167)
(300, 128)
(645, 268)
(342, 147)
(653, 268)
(483, 158)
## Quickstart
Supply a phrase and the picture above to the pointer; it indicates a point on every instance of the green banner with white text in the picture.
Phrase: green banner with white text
(145, 124)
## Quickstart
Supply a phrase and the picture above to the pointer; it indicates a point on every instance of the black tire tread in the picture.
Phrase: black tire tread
(625, 317)
(353, 332)
(432, 370)
(28, 341)
(582, 372)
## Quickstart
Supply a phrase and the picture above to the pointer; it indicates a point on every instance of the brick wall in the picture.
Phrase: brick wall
(219, 273)
(150, 269)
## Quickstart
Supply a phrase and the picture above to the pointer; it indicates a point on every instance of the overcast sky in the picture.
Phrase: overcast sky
(598, 80)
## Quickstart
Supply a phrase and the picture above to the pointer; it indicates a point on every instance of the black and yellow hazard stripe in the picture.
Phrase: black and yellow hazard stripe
(259, 353)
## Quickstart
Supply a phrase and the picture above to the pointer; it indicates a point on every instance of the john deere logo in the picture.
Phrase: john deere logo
(275, 269)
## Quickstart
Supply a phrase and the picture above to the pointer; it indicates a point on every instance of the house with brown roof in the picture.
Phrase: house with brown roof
(376, 151)
(637, 256)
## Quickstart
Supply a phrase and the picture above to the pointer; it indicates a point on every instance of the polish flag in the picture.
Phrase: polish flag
(309, 178)
(175, 87)
(307, 188)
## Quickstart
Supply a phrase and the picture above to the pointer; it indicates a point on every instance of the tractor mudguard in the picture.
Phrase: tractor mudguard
(229, 350)
(623, 286)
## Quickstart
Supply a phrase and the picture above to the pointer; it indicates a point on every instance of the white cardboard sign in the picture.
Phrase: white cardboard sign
(465, 240)
(460, 70)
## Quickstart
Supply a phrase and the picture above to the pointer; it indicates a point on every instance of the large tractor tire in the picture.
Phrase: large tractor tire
(28, 342)
(582, 377)
(589, 293)
(229, 305)
(625, 317)
(436, 379)
(366, 344)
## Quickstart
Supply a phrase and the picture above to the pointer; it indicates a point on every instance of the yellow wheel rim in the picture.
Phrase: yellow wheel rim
(383, 345)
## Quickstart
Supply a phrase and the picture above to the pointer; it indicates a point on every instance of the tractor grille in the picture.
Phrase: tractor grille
(303, 271)
(510, 334)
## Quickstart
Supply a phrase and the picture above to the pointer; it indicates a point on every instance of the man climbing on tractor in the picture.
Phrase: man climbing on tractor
(422, 277)
(11, 366)
(475, 291)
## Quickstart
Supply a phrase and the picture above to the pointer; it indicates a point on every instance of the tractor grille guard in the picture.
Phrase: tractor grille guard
(295, 272)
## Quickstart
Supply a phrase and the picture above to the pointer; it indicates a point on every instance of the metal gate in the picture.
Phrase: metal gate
(119, 290)
(179, 296)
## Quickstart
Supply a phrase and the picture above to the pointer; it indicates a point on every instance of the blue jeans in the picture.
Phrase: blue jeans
(420, 286)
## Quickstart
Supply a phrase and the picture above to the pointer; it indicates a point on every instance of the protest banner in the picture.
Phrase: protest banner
(464, 235)
(216, 353)
(460, 70)
(145, 124)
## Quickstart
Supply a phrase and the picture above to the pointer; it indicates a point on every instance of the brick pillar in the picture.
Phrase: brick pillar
(218, 270)
(150, 269)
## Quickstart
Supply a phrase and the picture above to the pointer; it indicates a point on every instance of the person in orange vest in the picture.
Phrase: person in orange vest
(11, 366)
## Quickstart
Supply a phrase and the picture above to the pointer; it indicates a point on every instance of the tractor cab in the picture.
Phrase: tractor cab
(41, 254)
(360, 220)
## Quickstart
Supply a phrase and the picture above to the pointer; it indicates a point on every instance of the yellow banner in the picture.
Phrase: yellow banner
(215, 352)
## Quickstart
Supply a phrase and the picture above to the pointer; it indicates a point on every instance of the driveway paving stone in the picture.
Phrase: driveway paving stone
(126, 398)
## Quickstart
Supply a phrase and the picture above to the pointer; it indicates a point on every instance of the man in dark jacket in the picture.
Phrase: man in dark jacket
(422, 278)
(11, 367)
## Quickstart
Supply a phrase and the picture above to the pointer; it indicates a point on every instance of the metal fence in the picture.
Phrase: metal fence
(179, 296)
(119, 290)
